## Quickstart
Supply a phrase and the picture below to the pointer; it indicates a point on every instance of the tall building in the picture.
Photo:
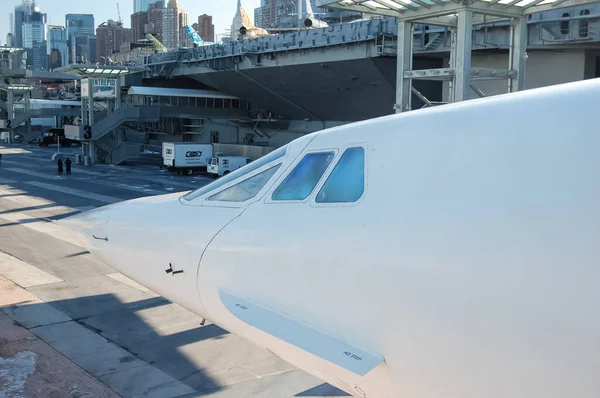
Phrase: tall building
(37, 59)
(11, 25)
(110, 36)
(206, 29)
(170, 28)
(184, 38)
(139, 20)
(33, 29)
(155, 16)
(25, 8)
(173, 26)
(258, 19)
(10, 40)
(56, 47)
(79, 28)
(141, 5)
(83, 49)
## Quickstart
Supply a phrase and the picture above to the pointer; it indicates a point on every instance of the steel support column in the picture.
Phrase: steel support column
(462, 59)
(10, 108)
(517, 53)
(118, 93)
(404, 64)
(90, 83)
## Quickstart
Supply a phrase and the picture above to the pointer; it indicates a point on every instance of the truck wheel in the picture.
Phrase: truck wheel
(226, 172)
(189, 172)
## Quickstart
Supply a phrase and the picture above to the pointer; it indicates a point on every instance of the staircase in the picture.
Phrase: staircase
(21, 116)
(435, 43)
(122, 115)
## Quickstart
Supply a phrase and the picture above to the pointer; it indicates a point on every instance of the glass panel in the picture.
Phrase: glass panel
(346, 183)
(299, 184)
(250, 167)
(246, 189)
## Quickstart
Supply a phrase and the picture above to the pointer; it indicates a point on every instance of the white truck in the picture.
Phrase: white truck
(222, 165)
(186, 157)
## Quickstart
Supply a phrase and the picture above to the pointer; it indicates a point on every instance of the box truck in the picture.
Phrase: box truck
(185, 157)
(222, 165)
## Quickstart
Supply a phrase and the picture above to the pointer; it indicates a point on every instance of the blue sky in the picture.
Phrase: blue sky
(221, 10)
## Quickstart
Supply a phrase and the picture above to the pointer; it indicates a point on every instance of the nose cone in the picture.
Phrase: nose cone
(155, 241)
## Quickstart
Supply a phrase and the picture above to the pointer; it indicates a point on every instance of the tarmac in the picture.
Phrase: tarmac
(71, 326)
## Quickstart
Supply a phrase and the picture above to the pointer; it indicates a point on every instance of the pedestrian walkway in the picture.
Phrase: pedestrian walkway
(31, 368)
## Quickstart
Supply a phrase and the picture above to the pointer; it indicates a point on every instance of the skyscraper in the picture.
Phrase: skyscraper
(258, 17)
(141, 5)
(25, 8)
(37, 59)
(56, 47)
(155, 16)
(80, 27)
(79, 24)
(33, 29)
(139, 20)
(206, 29)
(173, 25)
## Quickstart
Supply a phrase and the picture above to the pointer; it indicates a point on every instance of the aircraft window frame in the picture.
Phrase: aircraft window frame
(292, 168)
(247, 171)
(325, 178)
(272, 169)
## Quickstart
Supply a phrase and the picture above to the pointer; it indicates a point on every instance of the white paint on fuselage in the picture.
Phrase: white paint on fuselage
(470, 264)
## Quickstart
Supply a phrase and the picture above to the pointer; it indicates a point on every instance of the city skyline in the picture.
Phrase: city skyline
(56, 10)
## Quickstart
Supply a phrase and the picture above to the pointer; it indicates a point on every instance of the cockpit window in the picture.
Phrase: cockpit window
(246, 189)
(249, 168)
(301, 181)
(346, 183)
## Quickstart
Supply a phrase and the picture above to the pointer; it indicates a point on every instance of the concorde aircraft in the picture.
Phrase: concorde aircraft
(446, 252)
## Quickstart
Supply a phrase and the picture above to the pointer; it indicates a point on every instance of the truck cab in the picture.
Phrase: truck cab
(53, 135)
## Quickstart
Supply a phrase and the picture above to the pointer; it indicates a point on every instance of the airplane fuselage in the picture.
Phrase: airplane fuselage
(447, 252)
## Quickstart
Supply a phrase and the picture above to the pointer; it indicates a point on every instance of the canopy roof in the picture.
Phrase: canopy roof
(98, 70)
(416, 9)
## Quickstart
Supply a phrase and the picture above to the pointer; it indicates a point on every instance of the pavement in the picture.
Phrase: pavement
(71, 326)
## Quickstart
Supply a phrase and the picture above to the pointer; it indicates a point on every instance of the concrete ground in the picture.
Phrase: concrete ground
(69, 324)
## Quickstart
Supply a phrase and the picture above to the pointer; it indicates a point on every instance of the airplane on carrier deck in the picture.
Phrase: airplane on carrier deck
(305, 14)
(195, 37)
(444, 252)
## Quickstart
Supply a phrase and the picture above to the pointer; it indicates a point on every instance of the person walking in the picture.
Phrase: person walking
(0, 159)
(68, 166)
(60, 166)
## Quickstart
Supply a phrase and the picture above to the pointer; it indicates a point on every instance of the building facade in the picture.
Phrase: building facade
(56, 47)
(206, 28)
(141, 5)
(33, 29)
(83, 49)
(110, 36)
(139, 20)
(258, 20)
(81, 30)
(172, 33)
(155, 17)
(37, 58)
(23, 9)
(184, 38)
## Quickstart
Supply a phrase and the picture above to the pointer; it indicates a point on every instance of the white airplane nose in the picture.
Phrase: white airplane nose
(156, 241)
